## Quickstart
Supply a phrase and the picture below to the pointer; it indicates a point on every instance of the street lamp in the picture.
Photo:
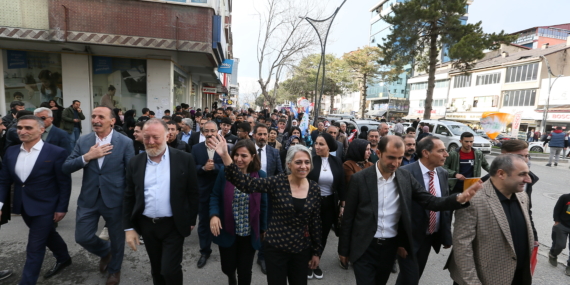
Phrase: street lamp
(550, 84)
(328, 21)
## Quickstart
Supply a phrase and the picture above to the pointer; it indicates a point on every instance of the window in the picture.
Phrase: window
(484, 102)
(519, 97)
(422, 103)
(490, 78)
(441, 129)
(442, 83)
(527, 72)
(462, 81)
(378, 26)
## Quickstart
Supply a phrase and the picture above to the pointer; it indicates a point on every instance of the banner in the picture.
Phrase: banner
(102, 65)
(294, 110)
(516, 124)
(227, 66)
(17, 59)
(494, 123)
(304, 123)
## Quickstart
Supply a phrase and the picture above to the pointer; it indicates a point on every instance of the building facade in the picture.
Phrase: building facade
(121, 54)
(537, 36)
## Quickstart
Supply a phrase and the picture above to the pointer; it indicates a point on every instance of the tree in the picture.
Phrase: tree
(420, 28)
(283, 36)
(365, 69)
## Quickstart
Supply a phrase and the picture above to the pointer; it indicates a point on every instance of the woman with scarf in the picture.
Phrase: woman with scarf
(238, 220)
(293, 140)
(356, 158)
(363, 133)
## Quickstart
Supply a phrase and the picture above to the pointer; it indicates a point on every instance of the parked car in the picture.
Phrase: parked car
(538, 147)
(450, 132)
(356, 124)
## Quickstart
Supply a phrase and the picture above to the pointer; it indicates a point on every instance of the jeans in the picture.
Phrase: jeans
(73, 137)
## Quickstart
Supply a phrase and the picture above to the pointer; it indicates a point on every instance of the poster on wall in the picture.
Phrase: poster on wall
(119, 83)
(33, 78)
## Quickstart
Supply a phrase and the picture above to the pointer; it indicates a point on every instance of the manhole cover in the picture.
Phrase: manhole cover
(553, 196)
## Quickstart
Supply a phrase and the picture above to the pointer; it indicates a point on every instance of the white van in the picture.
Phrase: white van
(450, 133)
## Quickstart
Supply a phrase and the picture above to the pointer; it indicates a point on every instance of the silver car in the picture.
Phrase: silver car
(450, 133)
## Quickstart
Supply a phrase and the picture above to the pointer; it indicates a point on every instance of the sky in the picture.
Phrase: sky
(352, 25)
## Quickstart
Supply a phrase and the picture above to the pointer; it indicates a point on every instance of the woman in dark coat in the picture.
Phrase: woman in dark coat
(363, 133)
(56, 110)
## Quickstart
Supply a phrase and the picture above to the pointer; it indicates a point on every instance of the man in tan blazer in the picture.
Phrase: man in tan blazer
(493, 238)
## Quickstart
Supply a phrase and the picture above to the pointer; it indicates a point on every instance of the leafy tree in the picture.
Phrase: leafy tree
(365, 69)
(420, 28)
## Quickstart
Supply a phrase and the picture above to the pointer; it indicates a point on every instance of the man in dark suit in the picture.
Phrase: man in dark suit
(103, 155)
(270, 163)
(429, 229)
(162, 208)
(377, 215)
(208, 164)
(173, 140)
(198, 136)
(53, 134)
(41, 195)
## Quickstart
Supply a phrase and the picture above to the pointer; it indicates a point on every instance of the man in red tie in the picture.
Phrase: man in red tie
(429, 228)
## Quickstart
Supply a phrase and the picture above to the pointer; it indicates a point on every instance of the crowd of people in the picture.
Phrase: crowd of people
(255, 182)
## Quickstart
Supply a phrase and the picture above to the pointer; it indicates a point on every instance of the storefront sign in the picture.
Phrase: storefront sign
(463, 116)
(558, 117)
(17, 59)
(516, 124)
(102, 65)
(226, 66)
(209, 90)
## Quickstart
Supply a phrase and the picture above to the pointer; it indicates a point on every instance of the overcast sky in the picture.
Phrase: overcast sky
(352, 25)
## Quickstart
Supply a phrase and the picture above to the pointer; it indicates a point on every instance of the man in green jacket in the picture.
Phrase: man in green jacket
(71, 119)
(464, 163)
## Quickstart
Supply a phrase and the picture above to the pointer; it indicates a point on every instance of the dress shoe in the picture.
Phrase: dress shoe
(553, 260)
(202, 260)
(114, 278)
(104, 262)
(5, 274)
(57, 267)
(262, 265)
(342, 265)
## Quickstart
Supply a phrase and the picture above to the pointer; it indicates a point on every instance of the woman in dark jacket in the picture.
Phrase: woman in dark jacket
(294, 233)
(56, 110)
(118, 117)
(363, 133)
(329, 175)
(238, 220)
(356, 158)
(130, 122)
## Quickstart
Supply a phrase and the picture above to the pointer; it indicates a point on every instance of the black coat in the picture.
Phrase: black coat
(183, 191)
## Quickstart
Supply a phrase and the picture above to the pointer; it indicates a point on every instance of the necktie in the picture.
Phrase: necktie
(259, 151)
(432, 214)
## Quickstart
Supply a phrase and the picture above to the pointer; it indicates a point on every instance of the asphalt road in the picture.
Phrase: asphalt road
(136, 268)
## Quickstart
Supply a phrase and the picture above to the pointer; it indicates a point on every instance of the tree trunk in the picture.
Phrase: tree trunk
(431, 74)
(332, 104)
(363, 88)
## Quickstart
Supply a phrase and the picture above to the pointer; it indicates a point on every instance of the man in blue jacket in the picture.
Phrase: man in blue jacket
(558, 141)
(52, 134)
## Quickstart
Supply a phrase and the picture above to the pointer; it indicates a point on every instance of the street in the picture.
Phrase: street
(136, 268)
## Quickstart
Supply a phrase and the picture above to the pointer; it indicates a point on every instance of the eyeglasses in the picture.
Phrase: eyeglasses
(44, 118)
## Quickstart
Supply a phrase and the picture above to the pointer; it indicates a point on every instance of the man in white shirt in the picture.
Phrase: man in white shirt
(41, 195)
(370, 242)
(429, 229)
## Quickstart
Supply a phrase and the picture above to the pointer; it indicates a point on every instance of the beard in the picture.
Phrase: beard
(154, 150)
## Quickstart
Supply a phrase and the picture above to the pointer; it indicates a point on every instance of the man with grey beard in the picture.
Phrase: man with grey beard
(161, 208)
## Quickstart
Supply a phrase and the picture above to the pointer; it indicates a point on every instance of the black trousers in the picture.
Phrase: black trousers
(327, 216)
(284, 266)
(410, 271)
(375, 265)
(238, 257)
(163, 245)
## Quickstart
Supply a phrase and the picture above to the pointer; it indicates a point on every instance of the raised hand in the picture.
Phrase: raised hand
(469, 192)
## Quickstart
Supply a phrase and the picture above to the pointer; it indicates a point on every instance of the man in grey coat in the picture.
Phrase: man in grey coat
(103, 155)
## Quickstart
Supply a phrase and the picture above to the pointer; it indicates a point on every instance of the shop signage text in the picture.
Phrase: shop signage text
(565, 116)
(17, 59)
(209, 90)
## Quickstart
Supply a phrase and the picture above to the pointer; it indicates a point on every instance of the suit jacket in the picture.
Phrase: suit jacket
(339, 151)
(59, 137)
(47, 188)
(420, 216)
(194, 139)
(109, 179)
(338, 187)
(183, 191)
(483, 251)
(206, 179)
(273, 161)
(360, 218)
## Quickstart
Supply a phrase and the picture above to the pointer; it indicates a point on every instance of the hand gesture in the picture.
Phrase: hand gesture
(97, 151)
(469, 192)
(209, 165)
(215, 226)
(218, 143)
(132, 239)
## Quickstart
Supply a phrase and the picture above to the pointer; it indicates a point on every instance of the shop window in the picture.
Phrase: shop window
(32, 77)
(120, 83)
(180, 88)
(519, 98)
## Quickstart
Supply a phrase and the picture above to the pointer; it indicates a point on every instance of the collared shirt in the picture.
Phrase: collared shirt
(46, 132)
(263, 156)
(406, 161)
(211, 152)
(101, 142)
(186, 136)
(425, 175)
(202, 138)
(389, 211)
(517, 225)
(26, 160)
(157, 187)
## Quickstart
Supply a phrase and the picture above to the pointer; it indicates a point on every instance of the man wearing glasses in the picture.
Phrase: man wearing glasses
(53, 135)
